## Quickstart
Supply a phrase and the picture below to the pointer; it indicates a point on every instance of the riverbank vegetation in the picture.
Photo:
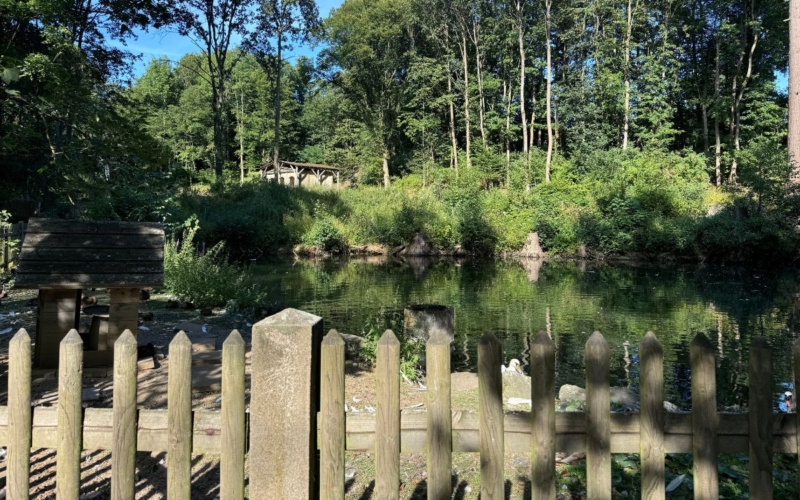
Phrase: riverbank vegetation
(610, 128)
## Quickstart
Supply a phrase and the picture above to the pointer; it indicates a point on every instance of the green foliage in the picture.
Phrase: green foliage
(410, 349)
(208, 279)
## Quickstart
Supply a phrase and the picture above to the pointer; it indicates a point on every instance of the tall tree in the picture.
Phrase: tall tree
(279, 24)
(794, 88)
(368, 59)
(211, 25)
(548, 113)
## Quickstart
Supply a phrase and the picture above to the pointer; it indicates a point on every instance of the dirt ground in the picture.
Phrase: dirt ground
(19, 311)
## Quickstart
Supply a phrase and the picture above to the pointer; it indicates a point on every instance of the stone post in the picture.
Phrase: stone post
(284, 402)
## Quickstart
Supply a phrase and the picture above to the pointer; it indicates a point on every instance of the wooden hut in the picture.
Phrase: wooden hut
(61, 258)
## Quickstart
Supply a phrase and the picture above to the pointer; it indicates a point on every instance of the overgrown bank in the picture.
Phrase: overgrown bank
(647, 205)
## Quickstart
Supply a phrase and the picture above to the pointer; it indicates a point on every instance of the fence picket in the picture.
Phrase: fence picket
(179, 417)
(598, 419)
(19, 415)
(490, 401)
(70, 417)
(760, 416)
(440, 424)
(123, 451)
(651, 437)
(543, 431)
(796, 365)
(332, 418)
(705, 420)
(387, 423)
(233, 418)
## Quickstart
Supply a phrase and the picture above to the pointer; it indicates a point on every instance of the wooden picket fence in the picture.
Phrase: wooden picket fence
(180, 432)
(8, 235)
(542, 432)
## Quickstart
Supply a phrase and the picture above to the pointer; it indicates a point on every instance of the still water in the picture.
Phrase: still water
(729, 305)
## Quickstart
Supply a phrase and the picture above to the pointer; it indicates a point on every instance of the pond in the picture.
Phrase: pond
(571, 300)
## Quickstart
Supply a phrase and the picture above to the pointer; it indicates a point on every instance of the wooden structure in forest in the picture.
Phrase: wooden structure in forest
(62, 258)
(295, 174)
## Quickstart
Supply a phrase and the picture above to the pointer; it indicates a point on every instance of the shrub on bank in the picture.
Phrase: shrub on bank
(208, 279)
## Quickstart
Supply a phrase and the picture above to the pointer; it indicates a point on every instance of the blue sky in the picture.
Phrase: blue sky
(166, 43)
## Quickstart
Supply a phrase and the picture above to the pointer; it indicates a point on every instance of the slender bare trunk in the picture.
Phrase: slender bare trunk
(454, 153)
(521, 42)
(794, 89)
(737, 112)
(548, 116)
(717, 142)
(466, 98)
(508, 130)
(241, 140)
(626, 69)
(479, 75)
(386, 180)
(277, 143)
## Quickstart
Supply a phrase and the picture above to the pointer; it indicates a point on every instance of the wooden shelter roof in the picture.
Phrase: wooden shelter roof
(78, 254)
(317, 166)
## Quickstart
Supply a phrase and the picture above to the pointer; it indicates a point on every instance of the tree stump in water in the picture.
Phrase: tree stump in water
(424, 321)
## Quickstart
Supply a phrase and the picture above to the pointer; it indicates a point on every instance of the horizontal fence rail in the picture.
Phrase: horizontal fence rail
(439, 431)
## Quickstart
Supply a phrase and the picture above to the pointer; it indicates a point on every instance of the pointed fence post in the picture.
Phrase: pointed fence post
(179, 418)
(543, 410)
(70, 417)
(440, 421)
(233, 418)
(19, 415)
(598, 419)
(123, 447)
(796, 360)
(760, 416)
(490, 401)
(332, 415)
(283, 437)
(651, 434)
(705, 420)
(387, 424)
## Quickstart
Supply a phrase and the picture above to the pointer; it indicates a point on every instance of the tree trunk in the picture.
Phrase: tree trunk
(466, 97)
(479, 75)
(626, 69)
(508, 130)
(737, 111)
(277, 104)
(794, 89)
(241, 141)
(386, 180)
(547, 164)
(717, 142)
(521, 42)
(454, 156)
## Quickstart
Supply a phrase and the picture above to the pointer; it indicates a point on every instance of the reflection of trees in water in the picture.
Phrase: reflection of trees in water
(568, 300)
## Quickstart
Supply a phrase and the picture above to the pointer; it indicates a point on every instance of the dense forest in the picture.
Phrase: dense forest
(652, 127)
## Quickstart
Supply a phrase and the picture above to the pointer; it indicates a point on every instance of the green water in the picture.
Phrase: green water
(729, 305)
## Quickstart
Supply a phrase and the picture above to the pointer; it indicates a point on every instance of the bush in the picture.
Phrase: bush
(208, 280)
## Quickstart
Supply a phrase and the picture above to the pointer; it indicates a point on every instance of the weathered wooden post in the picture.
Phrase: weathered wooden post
(425, 321)
(19, 415)
(651, 440)
(123, 451)
(490, 407)
(332, 418)
(233, 418)
(387, 423)
(440, 423)
(179, 418)
(598, 419)
(70, 417)
(760, 416)
(705, 419)
(543, 431)
(284, 402)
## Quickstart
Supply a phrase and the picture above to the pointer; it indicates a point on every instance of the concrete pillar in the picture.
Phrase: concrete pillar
(284, 402)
